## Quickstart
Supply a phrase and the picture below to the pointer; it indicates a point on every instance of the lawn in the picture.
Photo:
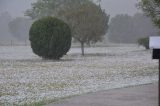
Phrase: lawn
(25, 78)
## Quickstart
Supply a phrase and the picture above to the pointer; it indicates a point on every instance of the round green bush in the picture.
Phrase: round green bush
(50, 38)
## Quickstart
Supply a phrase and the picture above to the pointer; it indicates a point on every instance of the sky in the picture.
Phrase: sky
(15, 7)
(113, 7)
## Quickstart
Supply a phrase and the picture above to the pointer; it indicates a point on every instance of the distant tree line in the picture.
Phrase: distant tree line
(14, 28)
(5, 18)
(128, 29)
(19, 28)
(121, 29)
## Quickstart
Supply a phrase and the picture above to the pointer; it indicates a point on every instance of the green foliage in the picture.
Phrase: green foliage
(88, 22)
(144, 42)
(50, 38)
(152, 9)
(86, 26)
(42, 8)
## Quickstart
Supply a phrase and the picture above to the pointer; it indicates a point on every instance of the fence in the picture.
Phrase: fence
(14, 43)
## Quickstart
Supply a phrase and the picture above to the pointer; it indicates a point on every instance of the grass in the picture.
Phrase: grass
(38, 80)
(45, 102)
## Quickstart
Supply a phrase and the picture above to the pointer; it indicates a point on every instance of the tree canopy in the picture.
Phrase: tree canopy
(5, 18)
(88, 22)
(19, 28)
(152, 9)
(128, 29)
(43, 8)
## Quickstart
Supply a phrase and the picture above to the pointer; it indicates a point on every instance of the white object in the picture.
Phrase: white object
(154, 42)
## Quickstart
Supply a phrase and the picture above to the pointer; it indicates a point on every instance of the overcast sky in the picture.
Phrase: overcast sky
(113, 7)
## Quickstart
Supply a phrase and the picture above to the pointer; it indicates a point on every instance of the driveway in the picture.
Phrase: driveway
(142, 95)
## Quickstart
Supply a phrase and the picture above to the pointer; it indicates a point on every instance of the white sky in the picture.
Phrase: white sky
(113, 7)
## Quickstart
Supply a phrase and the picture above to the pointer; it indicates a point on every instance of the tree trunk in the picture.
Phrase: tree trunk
(82, 48)
(89, 44)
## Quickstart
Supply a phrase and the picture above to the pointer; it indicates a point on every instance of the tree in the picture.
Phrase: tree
(128, 29)
(50, 38)
(86, 26)
(5, 18)
(152, 9)
(88, 22)
(120, 29)
(19, 28)
(43, 8)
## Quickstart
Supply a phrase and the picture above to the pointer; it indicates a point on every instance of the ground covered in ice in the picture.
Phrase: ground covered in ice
(25, 78)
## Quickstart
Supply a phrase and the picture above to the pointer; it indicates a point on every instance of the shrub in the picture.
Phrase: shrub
(50, 38)
(144, 42)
